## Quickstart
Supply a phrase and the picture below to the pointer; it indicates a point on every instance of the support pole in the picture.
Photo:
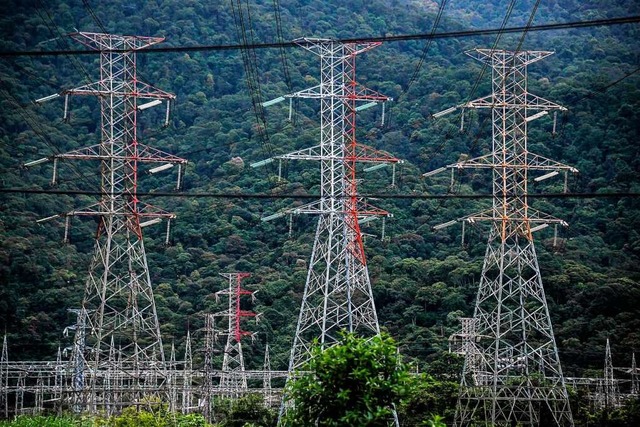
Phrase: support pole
(67, 222)
(55, 171)
(65, 115)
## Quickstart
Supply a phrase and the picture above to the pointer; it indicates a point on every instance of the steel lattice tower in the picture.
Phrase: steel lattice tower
(514, 370)
(187, 369)
(337, 294)
(608, 394)
(123, 332)
(78, 351)
(232, 379)
(208, 370)
(634, 375)
(266, 378)
(4, 378)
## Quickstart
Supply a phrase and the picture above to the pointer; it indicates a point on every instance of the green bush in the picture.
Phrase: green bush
(46, 421)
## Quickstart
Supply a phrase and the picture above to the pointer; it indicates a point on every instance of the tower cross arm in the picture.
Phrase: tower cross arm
(355, 92)
(97, 209)
(311, 153)
(309, 208)
(112, 42)
(535, 102)
(533, 162)
(533, 216)
(520, 58)
(145, 90)
(362, 153)
(366, 209)
(314, 92)
(246, 313)
(94, 89)
(366, 154)
(145, 154)
(358, 92)
(120, 88)
(484, 102)
(537, 162)
(531, 102)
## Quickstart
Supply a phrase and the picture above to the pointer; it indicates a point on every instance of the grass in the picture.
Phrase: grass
(45, 421)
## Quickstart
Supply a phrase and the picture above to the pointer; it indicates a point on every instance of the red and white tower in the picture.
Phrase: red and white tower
(121, 316)
(337, 294)
(232, 379)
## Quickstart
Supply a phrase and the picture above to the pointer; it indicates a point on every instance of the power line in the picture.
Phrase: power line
(252, 79)
(95, 17)
(228, 195)
(500, 33)
(425, 51)
(406, 37)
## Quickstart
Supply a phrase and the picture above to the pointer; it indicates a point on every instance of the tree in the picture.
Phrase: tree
(353, 383)
(248, 410)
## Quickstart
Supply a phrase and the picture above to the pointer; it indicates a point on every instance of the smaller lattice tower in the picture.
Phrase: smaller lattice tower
(634, 376)
(207, 389)
(608, 394)
(233, 381)
(4, 378)
(78, 351)
(187, 376)
(266, 378)
(461, 342)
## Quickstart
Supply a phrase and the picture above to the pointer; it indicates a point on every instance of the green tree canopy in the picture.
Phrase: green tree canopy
(353, 383)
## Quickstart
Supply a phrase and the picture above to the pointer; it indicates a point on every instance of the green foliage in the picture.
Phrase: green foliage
(430, 396)
(153, 415)
(585, 414)
(245, 411)
(355, 382)
(435, 421)
(46, 421)
(130, 417)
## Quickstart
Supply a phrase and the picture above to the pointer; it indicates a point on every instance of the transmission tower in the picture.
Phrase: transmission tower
(118, 298)
(337, 294)
(266, 378)
(634, 376)
(187, 370)
(4, 378)
(233, 381)
(608, 393)
(514, 370)
(207, 381)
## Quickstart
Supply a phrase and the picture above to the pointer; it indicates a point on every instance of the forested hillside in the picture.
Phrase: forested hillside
(423, 280)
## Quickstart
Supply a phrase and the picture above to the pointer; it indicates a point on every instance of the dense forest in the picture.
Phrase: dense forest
(423, 280)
